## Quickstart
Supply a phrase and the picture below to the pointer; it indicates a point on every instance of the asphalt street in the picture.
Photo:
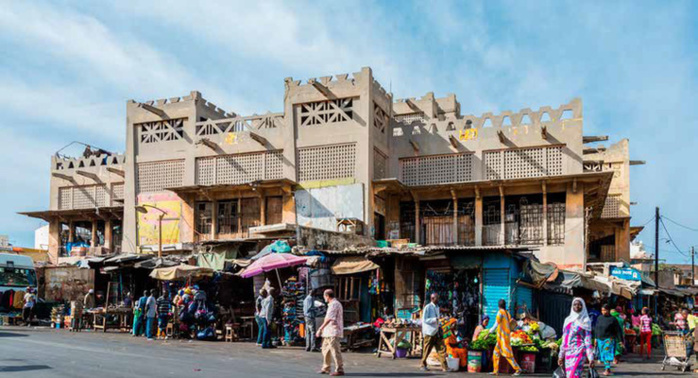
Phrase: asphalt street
(43, 352)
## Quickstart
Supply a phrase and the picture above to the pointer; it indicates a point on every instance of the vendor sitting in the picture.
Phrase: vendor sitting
(481, 327)
(454, 348)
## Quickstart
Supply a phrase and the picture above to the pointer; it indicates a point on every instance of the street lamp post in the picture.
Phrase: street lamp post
(144, 209)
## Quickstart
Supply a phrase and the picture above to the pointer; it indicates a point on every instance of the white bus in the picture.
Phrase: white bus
(16, 273)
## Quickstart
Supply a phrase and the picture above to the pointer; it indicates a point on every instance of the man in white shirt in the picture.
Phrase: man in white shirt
(28, 308)
(309, 313)
(430, 333)
(267, 315)
(332, 331)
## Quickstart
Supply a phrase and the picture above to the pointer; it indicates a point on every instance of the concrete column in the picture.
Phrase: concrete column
(478, 220)
(575, 254)
(108, 235)
(214, 220)
(71, 232)
(502, 216)
(93, 239)
(455, 220)
(263, 210)
(545, 215)
(416, 222)
(54, 240)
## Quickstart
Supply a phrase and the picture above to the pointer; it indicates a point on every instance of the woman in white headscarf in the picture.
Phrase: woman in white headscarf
(576, 340)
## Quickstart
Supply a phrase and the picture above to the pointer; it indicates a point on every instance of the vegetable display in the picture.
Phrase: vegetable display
(656, 331)
(529, 348)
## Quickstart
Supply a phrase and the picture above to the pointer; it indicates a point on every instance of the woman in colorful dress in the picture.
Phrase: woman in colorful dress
(503, 346)
(606, 334)
(576, 340)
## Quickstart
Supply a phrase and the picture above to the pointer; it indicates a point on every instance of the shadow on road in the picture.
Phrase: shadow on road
(11, 369)
(390, 374)
(12, 334)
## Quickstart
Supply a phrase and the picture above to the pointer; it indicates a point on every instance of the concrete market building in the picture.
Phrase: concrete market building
(345, 156)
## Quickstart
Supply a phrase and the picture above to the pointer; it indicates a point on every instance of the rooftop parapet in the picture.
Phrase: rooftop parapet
(59, 163)
(193, 96)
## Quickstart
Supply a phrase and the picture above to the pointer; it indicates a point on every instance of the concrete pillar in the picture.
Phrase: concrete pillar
(71, 232)
(214, 220)
(416, 222)
(478, 220)
(575, 253)
(263, 210)
(54, 240)
(502, 216)
(108, 235)
(289, 209)
(622, 241)
(455, 220)
(545, 215)
(93, 238)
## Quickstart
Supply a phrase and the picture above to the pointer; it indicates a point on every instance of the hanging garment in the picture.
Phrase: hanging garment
(18, 301)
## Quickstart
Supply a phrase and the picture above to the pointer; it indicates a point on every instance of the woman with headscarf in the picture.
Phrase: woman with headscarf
(481, 327)
(607, 332)
(619, 342)
(576, 340)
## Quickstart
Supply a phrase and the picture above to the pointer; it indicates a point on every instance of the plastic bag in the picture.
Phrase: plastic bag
(559, 373)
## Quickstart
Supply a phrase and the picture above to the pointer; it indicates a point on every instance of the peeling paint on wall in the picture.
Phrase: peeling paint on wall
(148, 232)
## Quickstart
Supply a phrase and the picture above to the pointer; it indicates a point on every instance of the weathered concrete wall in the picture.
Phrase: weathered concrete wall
(314, 238)
(67, 283)
(320, 207)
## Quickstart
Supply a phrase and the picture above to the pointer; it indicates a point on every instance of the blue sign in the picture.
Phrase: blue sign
(629, 274)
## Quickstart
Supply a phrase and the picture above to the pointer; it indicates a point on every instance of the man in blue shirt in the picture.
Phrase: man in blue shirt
(309, 313)
(430, 333)
(150, 314)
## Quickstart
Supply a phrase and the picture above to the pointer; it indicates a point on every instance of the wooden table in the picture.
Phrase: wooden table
(396, 335)
(124, 316)
(352, 333)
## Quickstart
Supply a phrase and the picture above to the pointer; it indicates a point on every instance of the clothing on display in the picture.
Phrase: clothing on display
(293, 294)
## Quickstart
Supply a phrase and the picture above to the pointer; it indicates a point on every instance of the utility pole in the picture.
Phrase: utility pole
(693, 266)
(656, 258)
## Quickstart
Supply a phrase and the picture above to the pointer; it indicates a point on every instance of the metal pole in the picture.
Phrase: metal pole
(656, 258)
(160, 235)
(693, 266)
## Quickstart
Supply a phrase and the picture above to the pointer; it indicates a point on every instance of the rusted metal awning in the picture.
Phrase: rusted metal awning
(106, 212)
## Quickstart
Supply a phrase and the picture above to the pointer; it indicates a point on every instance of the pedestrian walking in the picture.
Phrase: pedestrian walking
(502, 326)
(620, 346)
(606, 333)
(576, 340)
(76, 315)
(261, 323)
(309, 314)
(139, 314)
(332, 330)
(680, 321)
(28, 307)
(150, 314)
(431, 339)
(163, 313)
(646, 332)
(268, 316)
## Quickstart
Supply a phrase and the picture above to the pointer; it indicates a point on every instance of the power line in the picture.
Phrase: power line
(648, 221)
(671, 239)
(680, 225)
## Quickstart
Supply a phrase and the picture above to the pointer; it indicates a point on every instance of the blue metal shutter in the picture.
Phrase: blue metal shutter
(524, 296)
(496, 286)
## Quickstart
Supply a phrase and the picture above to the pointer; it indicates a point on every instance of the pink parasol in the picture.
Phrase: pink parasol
(271, 262)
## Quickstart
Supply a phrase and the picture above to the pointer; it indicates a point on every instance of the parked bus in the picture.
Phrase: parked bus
(16, 273)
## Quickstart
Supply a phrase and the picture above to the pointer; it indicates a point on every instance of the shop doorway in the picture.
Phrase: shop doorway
(459, 296)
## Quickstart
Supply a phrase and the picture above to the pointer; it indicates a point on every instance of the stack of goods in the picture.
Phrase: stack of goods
(293, 294)
(57, 316)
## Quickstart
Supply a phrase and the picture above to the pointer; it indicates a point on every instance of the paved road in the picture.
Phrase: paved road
(41, 352)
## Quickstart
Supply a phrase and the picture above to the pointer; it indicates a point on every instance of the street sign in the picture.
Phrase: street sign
(629, 274)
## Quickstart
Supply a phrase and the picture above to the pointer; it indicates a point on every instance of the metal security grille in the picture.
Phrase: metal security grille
(611, 208)
(65, 198)
(228, 217)
(326, 162)
(161, 131)
(380, 165)
(324, 112)
(117, 191)
(158, 175)
(493, 165)
(523, 163)
(239, 168)
(204, 218)
(439, 169)
(556, 223)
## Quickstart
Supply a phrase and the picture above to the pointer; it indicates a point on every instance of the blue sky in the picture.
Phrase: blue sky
(67, 69)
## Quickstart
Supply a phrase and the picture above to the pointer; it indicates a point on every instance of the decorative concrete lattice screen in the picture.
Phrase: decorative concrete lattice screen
(611, 208)
(523, 163)
(117, 191)
(239, 168)
(324, 112)
(161, 131)
(82, 197)
(65, 198)
(157, 175)
(380, 165)
(380, 118)
(327, 162)
(440, 169)
(409, 118)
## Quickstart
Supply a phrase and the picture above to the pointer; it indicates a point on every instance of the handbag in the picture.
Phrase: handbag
(559, 373)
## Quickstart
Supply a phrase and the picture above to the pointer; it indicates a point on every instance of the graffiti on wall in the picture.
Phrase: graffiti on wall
(148, 232)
